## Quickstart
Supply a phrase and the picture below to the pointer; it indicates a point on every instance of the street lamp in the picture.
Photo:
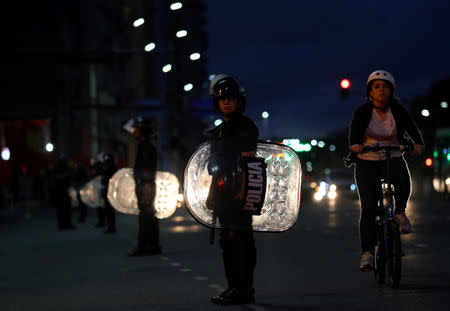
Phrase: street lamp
(181, 33)
(150, 46)
(167, 68)
(6, 154)
(425, 112)
(265, 115)
(49, 147)
(194, 56)
(188, 87)
(444, 105)
(176, 6)
(138, 22)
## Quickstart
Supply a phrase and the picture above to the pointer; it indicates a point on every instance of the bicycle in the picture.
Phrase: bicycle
(388, 248)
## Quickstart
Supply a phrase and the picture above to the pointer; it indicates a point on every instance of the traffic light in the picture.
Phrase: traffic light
(345, 88)
(429, 162)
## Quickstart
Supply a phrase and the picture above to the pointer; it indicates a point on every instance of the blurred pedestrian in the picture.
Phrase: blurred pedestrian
(80, 178)
(109, 168)
(144, 176)
(62, 177)
(97, 170)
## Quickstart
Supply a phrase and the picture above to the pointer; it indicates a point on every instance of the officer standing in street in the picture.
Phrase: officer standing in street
(236, 137)
(108, 170)
(144, 176)
(61, 194)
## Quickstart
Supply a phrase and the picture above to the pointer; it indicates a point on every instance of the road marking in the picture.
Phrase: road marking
(200, 278)
(256, 307)
(422, 245)
(218, 287)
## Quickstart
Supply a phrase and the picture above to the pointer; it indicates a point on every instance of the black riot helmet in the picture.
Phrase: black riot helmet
(226, 86)
(143, 124)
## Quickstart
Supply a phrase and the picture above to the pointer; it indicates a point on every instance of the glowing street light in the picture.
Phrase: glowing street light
(188, 87)
(176, 6)
(425, 112)
(444, 105)
(265, 114)
(138, 22)
(167, 68)
(181, 33)
(321, 144)
(150, 46)
(313, 142)
(49, 147)
(6, 154)
(194, 56)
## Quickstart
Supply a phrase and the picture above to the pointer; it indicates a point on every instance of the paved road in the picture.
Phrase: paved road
(314, 266)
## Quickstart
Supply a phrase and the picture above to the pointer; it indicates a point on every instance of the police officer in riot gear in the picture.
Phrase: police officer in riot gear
(144, 176)
(108, 170)
(234, 138)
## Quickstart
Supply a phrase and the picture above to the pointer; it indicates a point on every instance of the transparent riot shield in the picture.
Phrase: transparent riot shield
(122, 195)
(282, 197)
(73, 194)
(91, 193)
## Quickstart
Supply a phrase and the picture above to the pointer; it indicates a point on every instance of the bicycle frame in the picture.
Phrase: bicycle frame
(388, 249)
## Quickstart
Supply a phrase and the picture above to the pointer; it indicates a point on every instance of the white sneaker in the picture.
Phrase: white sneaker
(403, 221)
(367, 262)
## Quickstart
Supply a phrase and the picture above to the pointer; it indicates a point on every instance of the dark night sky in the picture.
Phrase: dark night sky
(291, 55)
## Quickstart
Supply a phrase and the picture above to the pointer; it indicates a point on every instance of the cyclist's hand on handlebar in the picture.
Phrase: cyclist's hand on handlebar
(418, 149)
(356, 148)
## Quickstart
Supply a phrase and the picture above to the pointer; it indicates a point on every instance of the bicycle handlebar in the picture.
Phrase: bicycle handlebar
(387, 148)
(351, 158)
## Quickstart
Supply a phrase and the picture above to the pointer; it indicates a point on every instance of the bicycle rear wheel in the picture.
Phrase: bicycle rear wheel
(396, 258)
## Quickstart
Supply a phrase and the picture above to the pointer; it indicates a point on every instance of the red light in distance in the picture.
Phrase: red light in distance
(345, 83)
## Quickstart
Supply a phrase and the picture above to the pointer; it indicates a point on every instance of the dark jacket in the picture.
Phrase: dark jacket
(229, 140)
(404, 123)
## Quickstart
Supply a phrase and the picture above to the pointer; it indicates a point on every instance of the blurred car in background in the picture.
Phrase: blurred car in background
(336, 183)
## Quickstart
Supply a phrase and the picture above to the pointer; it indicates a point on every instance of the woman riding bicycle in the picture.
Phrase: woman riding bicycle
(383, 120)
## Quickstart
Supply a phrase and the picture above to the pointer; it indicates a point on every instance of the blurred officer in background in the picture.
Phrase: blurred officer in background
(62, 176)
(144, 176)
(108, 170)
(97, 170)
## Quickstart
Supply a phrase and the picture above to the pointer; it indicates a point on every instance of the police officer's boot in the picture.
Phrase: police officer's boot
(234, 262)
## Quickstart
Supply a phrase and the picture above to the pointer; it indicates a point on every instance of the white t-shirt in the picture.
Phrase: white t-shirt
(381, 130)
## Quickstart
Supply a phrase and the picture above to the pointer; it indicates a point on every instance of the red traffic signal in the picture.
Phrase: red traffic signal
(345, 88)
(429, 162)
(345, 83)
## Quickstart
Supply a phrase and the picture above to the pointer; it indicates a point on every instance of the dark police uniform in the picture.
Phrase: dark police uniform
(228, 140)
(144, 175)
(109, 169)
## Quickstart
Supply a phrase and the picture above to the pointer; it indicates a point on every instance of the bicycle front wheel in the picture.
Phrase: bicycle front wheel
(396, 257)
(380, 258)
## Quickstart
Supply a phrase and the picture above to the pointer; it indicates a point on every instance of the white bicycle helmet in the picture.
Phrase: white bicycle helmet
(381, 75)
